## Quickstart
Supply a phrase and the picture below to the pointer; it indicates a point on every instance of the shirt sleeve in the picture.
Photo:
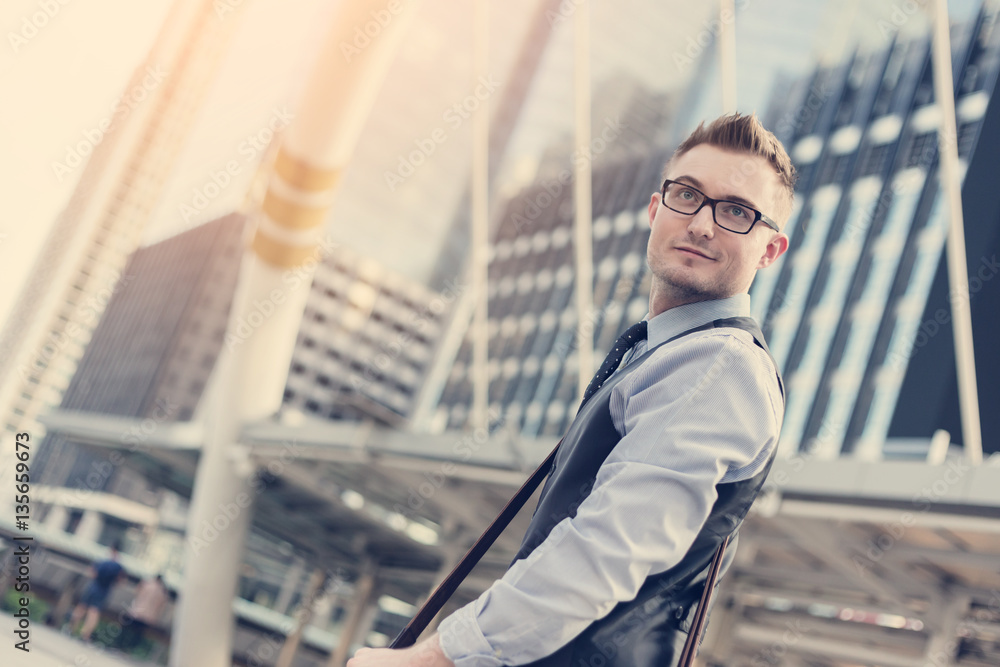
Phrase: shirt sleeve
(689, 415)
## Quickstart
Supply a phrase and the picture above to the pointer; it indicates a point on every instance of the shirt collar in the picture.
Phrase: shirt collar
(677, 320)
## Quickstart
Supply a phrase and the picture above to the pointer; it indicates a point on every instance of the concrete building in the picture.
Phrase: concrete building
(365, 341)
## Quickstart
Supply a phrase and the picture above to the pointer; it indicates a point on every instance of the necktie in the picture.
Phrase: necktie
(625, 342)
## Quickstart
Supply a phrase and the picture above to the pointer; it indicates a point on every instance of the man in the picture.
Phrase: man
(668, 450)
(95, 595)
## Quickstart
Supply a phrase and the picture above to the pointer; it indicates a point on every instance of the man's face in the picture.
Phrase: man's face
(691, 257)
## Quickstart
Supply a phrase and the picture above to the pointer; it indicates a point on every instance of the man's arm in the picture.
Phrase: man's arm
(691, 414)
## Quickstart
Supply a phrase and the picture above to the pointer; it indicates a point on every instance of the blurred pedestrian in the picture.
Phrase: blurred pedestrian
(146, 608)
(104, 576)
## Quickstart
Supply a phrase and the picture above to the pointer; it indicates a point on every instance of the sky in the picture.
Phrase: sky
(62, 74)
(58, 81)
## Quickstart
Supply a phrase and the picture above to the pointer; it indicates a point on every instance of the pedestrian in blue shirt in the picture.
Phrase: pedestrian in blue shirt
(675, 436)
(104, 576)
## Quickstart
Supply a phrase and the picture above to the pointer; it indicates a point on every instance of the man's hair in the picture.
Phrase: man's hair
(744, 134)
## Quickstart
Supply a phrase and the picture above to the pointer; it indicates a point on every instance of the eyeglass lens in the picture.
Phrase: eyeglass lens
(728, 214)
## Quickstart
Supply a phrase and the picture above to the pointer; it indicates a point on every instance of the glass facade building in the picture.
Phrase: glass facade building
(841, 310)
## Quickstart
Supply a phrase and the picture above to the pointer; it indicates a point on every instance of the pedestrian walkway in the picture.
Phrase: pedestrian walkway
(50, 648)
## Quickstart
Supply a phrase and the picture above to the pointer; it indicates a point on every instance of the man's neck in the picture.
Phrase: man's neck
(662, 299)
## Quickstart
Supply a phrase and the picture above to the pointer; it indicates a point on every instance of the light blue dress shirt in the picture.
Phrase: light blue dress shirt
(701, 410)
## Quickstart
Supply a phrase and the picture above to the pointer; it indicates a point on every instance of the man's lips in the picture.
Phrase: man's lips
(693, 251)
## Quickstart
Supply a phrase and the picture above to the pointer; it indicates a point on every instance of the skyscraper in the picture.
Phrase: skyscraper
(81, 263)
(842, 310)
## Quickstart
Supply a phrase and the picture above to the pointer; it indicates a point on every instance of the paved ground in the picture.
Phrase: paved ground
(49, 648)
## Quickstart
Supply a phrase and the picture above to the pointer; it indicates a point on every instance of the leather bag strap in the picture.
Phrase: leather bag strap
(698, 624)
(408, 635)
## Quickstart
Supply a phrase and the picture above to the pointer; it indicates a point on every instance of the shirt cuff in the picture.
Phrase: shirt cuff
(463, 642)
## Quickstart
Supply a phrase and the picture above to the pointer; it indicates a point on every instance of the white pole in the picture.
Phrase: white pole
(480, 223)
(303, 616)
(248, 382)
(364, 588)
(958, 273)
(583, 234)
(727, 54)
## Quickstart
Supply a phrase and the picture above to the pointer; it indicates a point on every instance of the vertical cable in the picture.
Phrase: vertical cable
(727, 54)
(480, 222)
(583, 236)
(958, 273)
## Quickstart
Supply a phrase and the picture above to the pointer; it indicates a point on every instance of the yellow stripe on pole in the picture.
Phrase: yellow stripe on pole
(280, 254)
(291, 215)
(304, 176)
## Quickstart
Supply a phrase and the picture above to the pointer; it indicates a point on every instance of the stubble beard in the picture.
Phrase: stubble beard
(671, 282)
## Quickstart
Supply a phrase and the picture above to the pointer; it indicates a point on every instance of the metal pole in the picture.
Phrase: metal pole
(480, 223)
(941, 645)
(583, 234)
(249, 379)
(958, 273)
(727, 54)
(302, 618)
(289, 585)
(363, 590)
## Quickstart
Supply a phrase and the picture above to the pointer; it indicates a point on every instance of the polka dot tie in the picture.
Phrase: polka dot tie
(625, 342)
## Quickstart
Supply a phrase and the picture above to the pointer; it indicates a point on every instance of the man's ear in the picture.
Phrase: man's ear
(775, 248)
(654, 204)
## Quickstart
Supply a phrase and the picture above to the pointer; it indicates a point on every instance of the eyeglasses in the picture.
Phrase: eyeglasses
(731, 216)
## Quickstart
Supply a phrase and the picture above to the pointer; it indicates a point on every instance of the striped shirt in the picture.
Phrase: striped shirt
(700, 410)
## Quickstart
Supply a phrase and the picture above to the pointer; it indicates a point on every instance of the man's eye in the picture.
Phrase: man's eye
(738, 211)
(686, 194)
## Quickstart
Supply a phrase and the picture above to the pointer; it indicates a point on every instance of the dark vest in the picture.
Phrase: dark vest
(649, 630)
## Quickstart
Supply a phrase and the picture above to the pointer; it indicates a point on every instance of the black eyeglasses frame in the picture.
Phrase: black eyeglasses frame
(712, 202)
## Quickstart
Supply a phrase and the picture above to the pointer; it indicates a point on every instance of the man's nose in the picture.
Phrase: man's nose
(702, 223)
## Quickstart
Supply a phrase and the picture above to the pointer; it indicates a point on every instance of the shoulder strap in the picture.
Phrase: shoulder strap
(698, 624)
(408, 635)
